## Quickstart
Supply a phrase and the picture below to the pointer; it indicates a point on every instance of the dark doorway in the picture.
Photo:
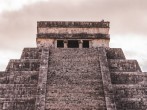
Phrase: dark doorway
(85, 43)
(73, 44)
(60, 44)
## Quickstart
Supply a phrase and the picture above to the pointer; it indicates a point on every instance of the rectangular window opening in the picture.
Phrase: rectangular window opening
(73, 44)
(85, 43)
(60, 44)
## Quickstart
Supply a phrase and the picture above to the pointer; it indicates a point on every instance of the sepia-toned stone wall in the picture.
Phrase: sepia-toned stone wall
(93, 78)
(74, 80)
(129, 83)
(73, 30)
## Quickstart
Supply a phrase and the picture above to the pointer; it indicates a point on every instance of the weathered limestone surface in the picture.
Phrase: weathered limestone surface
(94, 78)
(73, 30)
(70, 24)
(129, 83)
(42, 80)
(18, 84)
(107, 86)
(49, 32)
(75, 80)
(115, 53)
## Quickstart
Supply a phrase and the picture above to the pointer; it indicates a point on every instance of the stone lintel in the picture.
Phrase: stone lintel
(74, 36)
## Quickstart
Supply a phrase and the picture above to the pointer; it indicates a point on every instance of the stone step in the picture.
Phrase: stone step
(129, 73)
(75, 65)
(23, 99)
(31, 53)
(117, 65)
(23, 65)
(75, 58)
(77, 95)
(130, 91)
(123, 86)
(82, 60)
(74, 107)
(67, 89)
(128, 77)
(20, 77)
(131, 104)
(115, 53)
(3, 77)
(79, 76)
(74, 82)
(3, 73)
(77, 71)
(77, 101)
(18, 103)
(70, 103)
(17, 97)
(17, 90)
(74, 51)
(17, 85)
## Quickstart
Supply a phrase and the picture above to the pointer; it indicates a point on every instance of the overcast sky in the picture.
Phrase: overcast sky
(128, 23)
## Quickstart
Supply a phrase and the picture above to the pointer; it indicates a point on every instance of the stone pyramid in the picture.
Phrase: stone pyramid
(73, 68)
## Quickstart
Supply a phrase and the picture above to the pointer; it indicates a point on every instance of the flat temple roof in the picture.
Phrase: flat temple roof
(72, 24)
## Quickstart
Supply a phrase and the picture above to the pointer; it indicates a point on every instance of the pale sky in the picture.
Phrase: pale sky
(128, 23)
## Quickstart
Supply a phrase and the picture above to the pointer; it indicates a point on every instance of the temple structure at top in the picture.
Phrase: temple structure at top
(73, 34)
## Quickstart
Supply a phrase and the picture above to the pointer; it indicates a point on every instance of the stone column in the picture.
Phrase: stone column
(80, 44)
(55, 43)
(65, 43)
(90, 43)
